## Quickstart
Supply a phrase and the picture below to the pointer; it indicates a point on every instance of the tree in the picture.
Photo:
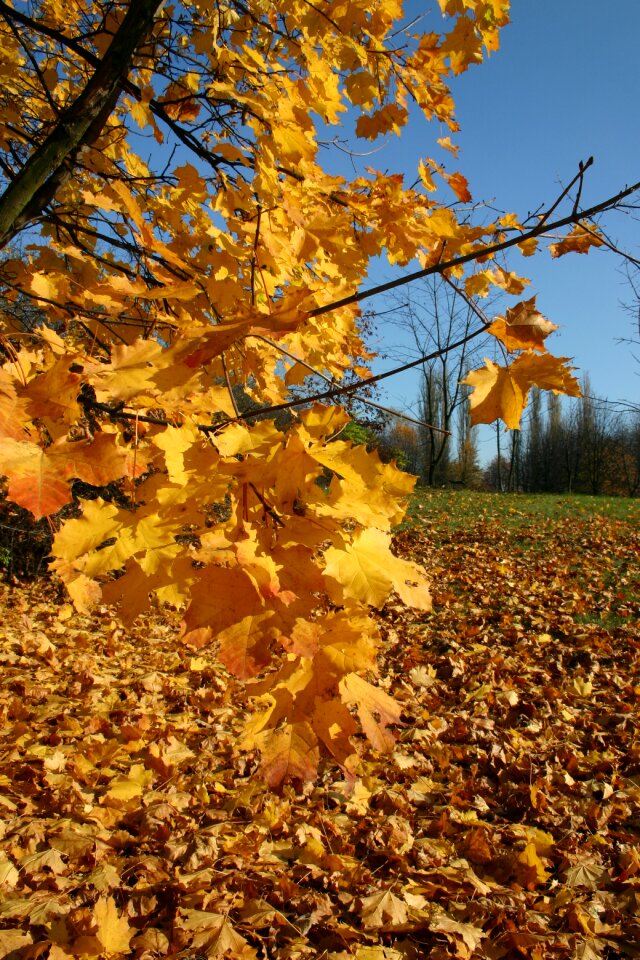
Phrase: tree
(187, 249)
(434, 315)
(466, 468)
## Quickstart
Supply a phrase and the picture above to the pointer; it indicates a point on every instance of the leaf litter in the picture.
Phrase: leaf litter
(505, 822)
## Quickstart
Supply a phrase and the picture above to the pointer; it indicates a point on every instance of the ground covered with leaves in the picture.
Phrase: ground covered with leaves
(506, 823)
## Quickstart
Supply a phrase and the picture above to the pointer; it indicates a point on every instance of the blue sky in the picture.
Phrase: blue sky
(565, 85)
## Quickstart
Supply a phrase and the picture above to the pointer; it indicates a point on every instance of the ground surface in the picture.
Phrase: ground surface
(506, 824)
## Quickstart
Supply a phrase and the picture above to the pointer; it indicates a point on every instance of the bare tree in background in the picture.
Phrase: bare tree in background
(434, 317)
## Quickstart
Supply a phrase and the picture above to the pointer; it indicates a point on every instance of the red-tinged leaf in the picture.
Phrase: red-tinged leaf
(220, 598)
(35, 480)
(459, 185)
(244, 647)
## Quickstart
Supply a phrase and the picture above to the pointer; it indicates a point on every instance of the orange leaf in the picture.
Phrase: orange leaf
(459, 185)
(523, 327)
(290, 753)
(580, 240)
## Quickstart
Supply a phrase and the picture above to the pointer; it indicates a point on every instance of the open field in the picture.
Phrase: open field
(505, 824)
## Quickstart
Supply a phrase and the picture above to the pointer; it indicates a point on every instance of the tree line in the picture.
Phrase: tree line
(589, 446)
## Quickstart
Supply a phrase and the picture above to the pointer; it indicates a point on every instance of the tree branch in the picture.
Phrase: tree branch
(479, 252)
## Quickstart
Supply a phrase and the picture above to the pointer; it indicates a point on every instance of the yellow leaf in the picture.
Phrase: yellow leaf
(545, 372)
(133, 785)
(368, 571)
(376, 709)
(501, 392)
(383, 909)
(495, 395)
(213, 935)
(362, 89)
(114, 932)
(290, 753)
(528, 247)
(9, 876)
(446, 144)
(12, 941)
(471, 935)
(530, 870)
(293, 143)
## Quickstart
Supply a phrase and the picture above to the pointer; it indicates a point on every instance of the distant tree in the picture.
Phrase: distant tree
(435, 316)
(534, 458)
(494, 475)
(465, 469)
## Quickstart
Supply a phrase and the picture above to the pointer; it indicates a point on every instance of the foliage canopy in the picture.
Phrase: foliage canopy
(186, 250)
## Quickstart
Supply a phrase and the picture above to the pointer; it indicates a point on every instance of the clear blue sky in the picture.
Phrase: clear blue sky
(565, 85)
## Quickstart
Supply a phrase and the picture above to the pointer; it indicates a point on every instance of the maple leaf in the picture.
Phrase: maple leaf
(460, 186)
(113, 930)
(127, 788)
(495, 395)
(501, 392)
(11, 941)
(288, 754)
(546, 372)
(368, 571)
(523, 327)
(387, 119)
(213, 933)
(38, 479)
(579, 240)
(220, 598)
(34, 481)
(13, 412)
(529, 868)
(471, 935)
(375, 708)
(383, 910)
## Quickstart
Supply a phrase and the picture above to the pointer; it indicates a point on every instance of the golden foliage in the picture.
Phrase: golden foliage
(181, 291)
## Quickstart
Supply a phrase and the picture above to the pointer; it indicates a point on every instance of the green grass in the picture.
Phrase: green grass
(589, 543)
(457, 509)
